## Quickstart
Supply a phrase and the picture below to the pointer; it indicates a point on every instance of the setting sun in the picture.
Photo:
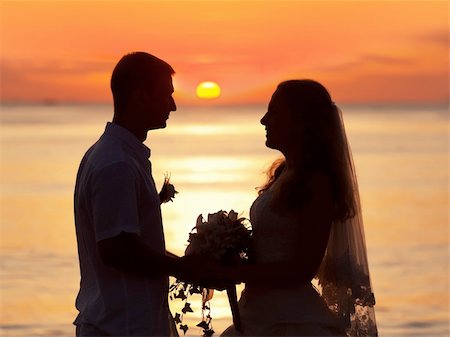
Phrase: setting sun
(208, 90)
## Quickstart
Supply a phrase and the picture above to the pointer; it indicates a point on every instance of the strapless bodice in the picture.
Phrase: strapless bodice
(275, 236)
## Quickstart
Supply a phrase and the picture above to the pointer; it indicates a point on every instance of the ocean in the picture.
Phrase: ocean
(216, 158)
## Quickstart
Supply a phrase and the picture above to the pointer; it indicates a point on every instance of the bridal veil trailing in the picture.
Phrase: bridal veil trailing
(343, 276)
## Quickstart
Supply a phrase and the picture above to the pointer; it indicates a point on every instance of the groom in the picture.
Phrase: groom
(123, 261)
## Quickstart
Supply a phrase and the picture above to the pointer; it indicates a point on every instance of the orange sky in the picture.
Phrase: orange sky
(363, 51)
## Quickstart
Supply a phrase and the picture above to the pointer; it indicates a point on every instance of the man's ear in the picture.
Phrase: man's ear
(138, 94)
(138, 98)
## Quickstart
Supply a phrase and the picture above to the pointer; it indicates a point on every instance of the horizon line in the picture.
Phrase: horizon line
(51, 102)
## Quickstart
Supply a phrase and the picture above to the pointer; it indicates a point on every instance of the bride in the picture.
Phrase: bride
(307, 226)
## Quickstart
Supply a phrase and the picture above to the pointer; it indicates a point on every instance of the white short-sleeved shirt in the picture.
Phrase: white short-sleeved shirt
(115, 193)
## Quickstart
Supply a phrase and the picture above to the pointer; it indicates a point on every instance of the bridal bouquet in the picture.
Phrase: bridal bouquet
(226, 238)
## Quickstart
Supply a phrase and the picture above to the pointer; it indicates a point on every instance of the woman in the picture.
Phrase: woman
(306, 225)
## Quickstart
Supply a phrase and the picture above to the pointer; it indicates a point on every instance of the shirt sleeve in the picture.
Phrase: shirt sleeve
(115, 201)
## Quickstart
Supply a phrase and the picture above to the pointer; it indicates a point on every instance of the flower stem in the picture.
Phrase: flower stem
(232, 298)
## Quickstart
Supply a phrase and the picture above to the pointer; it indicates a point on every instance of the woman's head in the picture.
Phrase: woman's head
(300, 115)
(303, 122)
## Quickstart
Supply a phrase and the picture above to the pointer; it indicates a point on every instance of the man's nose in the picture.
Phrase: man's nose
(263, 120)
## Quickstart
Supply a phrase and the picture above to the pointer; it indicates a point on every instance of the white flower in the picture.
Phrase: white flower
(223, 234)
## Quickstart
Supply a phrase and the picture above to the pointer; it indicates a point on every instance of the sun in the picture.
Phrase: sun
(208, 90)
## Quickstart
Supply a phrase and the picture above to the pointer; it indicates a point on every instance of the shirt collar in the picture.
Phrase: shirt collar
(126, 136)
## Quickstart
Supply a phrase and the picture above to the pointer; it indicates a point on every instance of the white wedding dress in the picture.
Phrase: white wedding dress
(264, 311)
(342, 305)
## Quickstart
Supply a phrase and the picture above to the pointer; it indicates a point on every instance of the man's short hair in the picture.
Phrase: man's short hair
(137, 70)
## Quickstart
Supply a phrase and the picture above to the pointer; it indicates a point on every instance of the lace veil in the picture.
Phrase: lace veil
(343, 276)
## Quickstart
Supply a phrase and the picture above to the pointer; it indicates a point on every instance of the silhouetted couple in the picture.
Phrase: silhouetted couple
(306, 221)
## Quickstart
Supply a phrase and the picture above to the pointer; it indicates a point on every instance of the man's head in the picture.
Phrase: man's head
(142, 89)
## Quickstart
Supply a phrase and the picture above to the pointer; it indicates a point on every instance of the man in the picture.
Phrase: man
(123, 261)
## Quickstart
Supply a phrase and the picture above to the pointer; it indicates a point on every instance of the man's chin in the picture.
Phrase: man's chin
(160, 126)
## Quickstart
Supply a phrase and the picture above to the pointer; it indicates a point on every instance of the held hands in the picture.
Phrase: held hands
(205, 272)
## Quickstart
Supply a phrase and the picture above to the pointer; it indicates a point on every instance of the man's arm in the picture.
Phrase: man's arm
(171, 254)
(129, 253)
(115, 218)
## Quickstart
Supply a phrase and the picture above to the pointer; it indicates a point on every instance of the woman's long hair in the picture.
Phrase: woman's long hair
(321, 147)
(343, 275)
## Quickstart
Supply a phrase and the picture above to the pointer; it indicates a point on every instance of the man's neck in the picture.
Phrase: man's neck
(140, 134)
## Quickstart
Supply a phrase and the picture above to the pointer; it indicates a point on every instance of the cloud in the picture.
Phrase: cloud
(439, 38)
(54, 79)
(366, 60)
(408, 87)
(54, 66)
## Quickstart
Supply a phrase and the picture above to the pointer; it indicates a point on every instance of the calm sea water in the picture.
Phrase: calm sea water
(216, 158)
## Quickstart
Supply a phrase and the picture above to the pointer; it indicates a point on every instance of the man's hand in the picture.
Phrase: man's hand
(193, 268)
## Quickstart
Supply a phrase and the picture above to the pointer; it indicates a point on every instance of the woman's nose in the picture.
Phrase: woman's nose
(173, 106)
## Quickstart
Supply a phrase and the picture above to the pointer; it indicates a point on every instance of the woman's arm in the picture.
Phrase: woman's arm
(315, 216)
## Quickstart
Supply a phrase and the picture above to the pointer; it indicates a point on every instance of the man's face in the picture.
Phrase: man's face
(157, 105)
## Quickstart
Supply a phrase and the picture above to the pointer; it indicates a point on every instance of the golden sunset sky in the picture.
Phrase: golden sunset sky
(363, 51)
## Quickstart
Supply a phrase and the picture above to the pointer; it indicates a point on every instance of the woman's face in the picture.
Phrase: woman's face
(281, 129)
